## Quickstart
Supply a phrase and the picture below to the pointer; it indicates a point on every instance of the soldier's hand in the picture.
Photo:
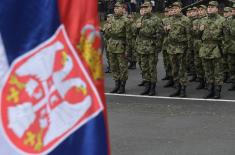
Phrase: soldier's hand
(138, 25)
(165, 28)
(168, 27)
(202, 27)
(195, 27)
(108, 26)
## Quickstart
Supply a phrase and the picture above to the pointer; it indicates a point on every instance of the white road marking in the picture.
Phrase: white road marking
(170, 98)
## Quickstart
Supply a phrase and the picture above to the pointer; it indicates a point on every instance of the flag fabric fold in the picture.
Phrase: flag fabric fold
(52, 98)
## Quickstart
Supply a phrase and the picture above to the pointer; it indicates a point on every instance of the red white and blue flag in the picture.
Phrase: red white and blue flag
(52, 90)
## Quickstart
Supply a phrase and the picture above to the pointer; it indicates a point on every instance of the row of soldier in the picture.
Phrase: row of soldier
(203, 43)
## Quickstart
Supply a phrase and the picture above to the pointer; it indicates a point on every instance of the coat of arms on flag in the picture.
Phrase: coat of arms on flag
(46, 96)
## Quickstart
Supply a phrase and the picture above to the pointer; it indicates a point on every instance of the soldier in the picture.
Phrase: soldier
(137, 41)
(192, 15)
(178, 45)
(197, 42)
(106, 38)
(166, 59)
(150, 42)
(117, 48)
(229, 46)
(202, 11)
(228, 17)
(211, 51)
(131, 43)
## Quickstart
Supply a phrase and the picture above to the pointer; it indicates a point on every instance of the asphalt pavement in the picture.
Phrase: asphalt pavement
(169, 126)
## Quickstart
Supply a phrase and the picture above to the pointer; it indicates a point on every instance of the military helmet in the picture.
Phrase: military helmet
(202, 6)
(166, 9)
(179, 4)
(213, 3)
(189, 9)
(233, 5)
(194, 8)
(109, 15)
(146, 4)
(227, 9)
(118, 4)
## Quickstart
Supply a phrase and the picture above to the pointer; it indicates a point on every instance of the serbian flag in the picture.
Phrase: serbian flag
(52, 90)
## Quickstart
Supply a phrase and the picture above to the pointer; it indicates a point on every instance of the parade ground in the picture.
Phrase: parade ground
(159, 125)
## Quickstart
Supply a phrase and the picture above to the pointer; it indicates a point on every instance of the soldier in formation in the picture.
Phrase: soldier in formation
(211, 50)
(202, 42)
(117, 32)
(149, 35)
(166, 58)
(229, 43)
(177, 48)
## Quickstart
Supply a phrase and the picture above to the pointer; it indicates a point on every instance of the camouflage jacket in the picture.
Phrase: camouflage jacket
(166, 21)
(212, 37)
(150, 34)
(196, 33)
(117, 34)
(229, 35)
(106, 32)
(179, 35)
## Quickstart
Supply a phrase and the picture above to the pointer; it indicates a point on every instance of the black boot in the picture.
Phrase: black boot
(177, 92)
(211, 92)
(146, 89)
(122, 89)
(232, 87)
(217, 92)
(166, 78)
(132, 65)
(226, 77)
(117, 86)
(183, 91)
(152, 91)
(142, 83)
(170, 83)
(194, 77)
(201, 84)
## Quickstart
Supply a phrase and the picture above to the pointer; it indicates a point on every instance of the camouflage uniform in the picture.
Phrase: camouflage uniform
(106, 38)
(137, 41)
(211, 52)
(166, 59)
(150, 41)
(229, 47)
(197, 42)
(131, 37)
(226, 42)
(190, 51)
(117, 48)
(178, 38)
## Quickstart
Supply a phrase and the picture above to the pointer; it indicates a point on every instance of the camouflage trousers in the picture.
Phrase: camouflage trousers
(167, 65)
(189, 61)
(198, 65)
(213, 71)
(132, 54)
(178, 64)
(198, 60)
(119, 66)
(225, 63)
(107, 56)
(148, 63)
(231, 65)
(139, 62)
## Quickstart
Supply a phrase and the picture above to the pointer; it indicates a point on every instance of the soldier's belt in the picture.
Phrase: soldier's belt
(147, 38)
(212, 41)
(118, 38)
